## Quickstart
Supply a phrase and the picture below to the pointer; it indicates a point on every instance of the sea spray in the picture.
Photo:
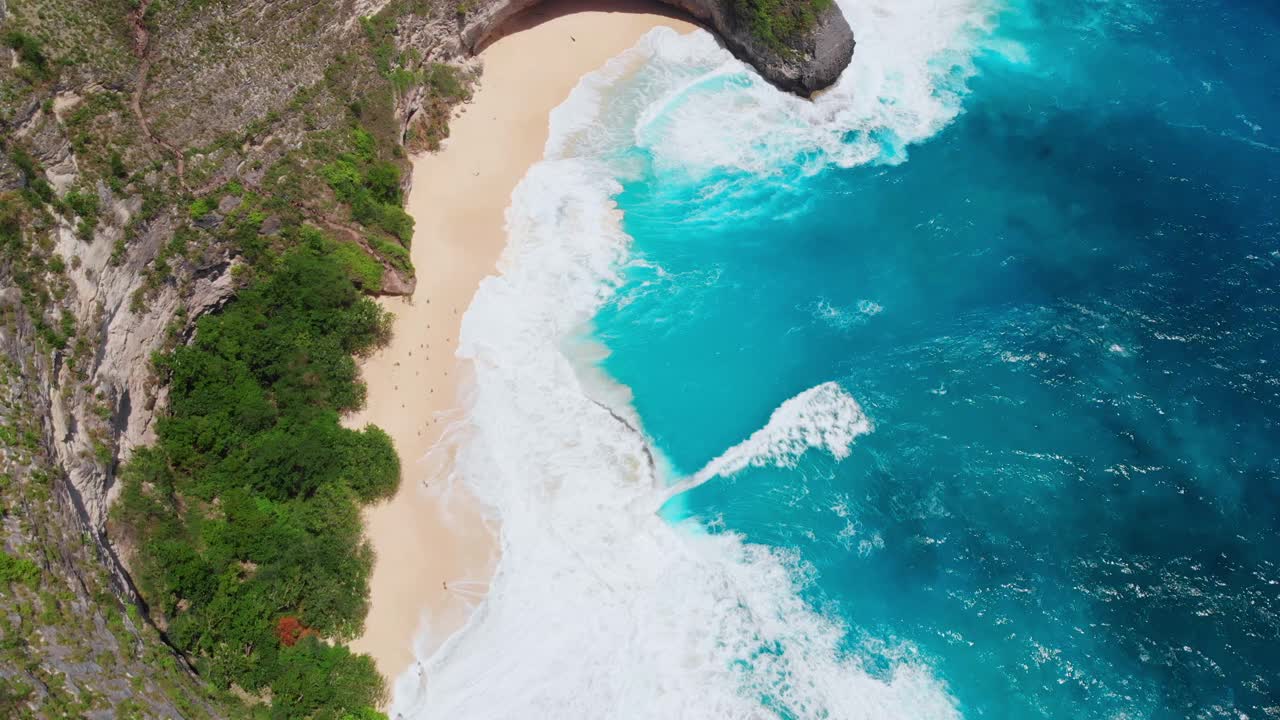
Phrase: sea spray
(824, 417)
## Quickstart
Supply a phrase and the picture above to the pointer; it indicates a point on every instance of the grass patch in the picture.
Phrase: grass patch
(18, 570)
(779, 23)
(30, 52)
(364, 271)
(370, 187)
(394, 253)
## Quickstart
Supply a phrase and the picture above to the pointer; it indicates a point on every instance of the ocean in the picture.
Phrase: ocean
(953, 393)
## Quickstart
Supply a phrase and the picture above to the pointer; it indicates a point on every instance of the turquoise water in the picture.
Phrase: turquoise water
(1061, 313)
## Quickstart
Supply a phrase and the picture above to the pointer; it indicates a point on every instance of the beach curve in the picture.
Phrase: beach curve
(432, 534)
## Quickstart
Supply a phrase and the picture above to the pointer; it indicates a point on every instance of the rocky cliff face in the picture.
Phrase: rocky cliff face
(808, 57)
(132, 139)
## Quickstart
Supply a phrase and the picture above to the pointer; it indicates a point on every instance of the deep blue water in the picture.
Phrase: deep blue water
(1062, 314)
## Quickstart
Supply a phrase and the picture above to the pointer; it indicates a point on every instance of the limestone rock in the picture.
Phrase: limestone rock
(809, 62)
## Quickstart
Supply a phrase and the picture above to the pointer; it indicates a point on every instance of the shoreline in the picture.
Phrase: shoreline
(424, 537)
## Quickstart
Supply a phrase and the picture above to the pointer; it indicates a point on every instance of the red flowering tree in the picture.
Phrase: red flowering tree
(289, 629)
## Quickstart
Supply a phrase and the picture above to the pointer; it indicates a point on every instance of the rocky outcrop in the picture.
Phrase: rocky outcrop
(809, 61)
(119, 412)
(102, 405)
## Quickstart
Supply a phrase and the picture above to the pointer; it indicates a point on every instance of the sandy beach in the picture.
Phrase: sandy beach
(435, 549)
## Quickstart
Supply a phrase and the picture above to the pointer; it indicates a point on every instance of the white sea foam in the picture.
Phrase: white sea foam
(599, 608)
(824, 417)
(843, 318)
(906, 82)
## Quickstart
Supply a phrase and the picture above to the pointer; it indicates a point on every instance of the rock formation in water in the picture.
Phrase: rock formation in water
(800, 46)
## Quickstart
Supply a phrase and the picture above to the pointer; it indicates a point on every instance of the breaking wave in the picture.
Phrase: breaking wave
(824, 417)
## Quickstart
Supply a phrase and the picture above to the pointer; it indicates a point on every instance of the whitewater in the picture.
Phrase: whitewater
(600, 606)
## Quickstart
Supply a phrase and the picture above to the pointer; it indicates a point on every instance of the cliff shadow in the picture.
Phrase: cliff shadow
(537, 13)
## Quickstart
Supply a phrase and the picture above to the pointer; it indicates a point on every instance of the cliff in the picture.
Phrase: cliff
(800, 46)
(150, 153)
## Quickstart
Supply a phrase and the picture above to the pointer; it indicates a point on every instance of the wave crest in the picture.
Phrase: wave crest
(824, 417)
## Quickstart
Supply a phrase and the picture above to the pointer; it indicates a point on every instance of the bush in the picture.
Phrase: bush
(371, 468)
(36, 189)
(201, 207)
(370, 187)
(365, 145)
(325, 683)
(86, 206)
(383, 181)
(118, 169)
(18, 570)
(445, 83)
(30, 51)
(363, 270)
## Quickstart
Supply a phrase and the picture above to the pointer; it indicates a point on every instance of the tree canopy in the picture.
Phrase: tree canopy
(246, 510)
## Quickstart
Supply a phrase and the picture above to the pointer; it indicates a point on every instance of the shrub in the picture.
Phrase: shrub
(201, 207)
(325, 683)
(445, 82)
(373, 193)
(371, 467)
(364, 144)
(36, 189)
(118, 169)
(86, 206)
(18, 570)
(290, 630)
(30, 51)
(344, 178)
(383, 181)
(363, 270)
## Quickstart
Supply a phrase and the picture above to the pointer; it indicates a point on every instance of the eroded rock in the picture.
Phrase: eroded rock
(809, 61)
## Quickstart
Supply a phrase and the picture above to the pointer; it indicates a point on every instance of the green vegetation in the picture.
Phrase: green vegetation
(403, 70)
(86, 206)
(26, 253)
(371, 187)
(247, 509)
(778, 23)
(83, 204)
(68, 647)
(362, 269)
(17, 570)
(393, 253)
(30, 52)
(445, 83)
(320, 682)
(201, 207)
(36, 189)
